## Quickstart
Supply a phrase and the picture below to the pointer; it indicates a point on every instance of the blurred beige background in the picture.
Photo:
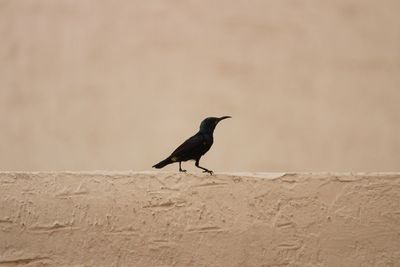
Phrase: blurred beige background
(311, 85)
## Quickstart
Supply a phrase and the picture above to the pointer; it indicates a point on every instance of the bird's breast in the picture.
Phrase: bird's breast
(207, 142)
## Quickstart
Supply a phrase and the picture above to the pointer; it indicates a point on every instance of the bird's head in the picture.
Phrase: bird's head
(209, 124)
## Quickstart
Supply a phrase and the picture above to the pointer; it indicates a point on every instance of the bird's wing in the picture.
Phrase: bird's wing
(188, 147)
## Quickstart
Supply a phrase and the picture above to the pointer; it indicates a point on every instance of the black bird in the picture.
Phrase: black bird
(195, 147)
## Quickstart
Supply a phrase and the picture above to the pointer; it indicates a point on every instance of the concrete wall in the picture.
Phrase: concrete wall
(117, 85)
(167, 219)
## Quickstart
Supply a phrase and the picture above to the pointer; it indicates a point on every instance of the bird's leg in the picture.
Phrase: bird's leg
(204, 169)
(180, 168)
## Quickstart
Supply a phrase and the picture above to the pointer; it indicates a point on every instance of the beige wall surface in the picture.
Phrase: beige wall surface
(311, 85)
(168, 219)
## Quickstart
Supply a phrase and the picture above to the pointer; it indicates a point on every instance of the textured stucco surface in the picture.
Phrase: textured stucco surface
(169, 219)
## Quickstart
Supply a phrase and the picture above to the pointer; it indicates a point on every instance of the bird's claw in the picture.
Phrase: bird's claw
(182, 170)
(208, 171)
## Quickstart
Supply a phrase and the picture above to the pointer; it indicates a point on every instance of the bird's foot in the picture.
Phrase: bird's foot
(208, 171)
(181, 170)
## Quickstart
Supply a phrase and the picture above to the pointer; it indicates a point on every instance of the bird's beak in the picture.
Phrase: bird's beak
(223, 118)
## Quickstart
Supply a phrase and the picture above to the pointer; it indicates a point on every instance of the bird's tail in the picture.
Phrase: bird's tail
(163, 163)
